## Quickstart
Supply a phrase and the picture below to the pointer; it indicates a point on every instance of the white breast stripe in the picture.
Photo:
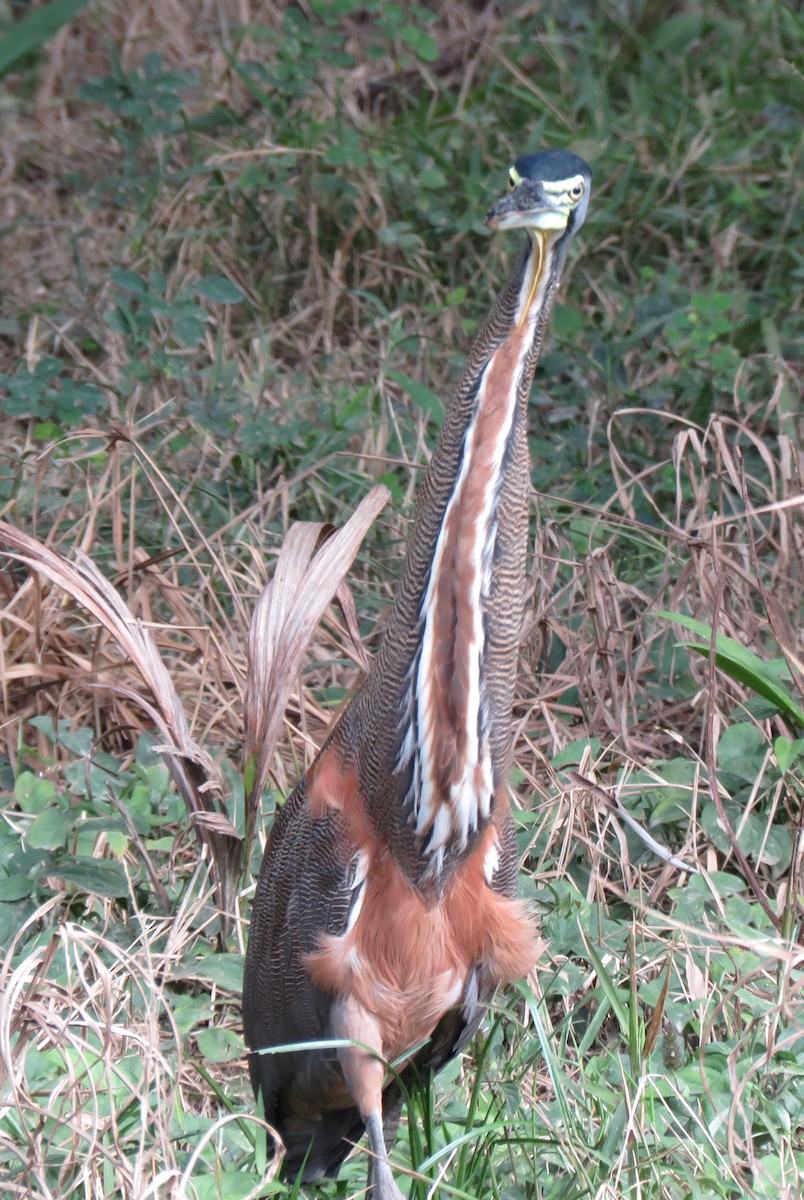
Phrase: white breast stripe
(492, 860)
(358, 888)
(456, 816)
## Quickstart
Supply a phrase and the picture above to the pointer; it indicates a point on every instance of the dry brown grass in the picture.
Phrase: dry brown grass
(732, 547)
(730, 551)
(743, 570)
(115, 1035)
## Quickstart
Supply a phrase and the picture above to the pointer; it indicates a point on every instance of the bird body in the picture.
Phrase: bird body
(385, 912)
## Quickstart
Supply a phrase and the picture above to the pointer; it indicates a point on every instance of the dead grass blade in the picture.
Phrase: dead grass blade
(192, 769)
(310, 569)
(613, 804)
(654, 1025)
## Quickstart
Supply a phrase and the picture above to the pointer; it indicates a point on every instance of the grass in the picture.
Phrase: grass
(242, 259)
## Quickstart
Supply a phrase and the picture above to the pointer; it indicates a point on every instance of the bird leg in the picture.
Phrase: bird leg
(364, 1071)
(381, 1182)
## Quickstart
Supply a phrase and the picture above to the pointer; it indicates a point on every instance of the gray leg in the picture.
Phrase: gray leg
(381, 1182)
(391, 1112)
(364, 1071)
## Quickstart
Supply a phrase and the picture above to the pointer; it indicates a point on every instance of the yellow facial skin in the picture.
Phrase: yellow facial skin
(538, 240)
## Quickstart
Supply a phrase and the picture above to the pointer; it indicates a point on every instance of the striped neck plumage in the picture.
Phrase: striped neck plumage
(446, 748)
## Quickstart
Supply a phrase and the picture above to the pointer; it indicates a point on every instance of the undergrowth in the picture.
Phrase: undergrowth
(243, 257)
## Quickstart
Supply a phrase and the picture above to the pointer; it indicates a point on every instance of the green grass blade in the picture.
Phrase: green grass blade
(740, 664)
(35, 29)
(609, 988)
(636, 1036)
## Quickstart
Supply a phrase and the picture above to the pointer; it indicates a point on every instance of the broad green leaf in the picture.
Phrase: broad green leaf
(189, 1011)
(62, 733)
(724, 882)
(568, 322)
(48, 831)
(92, 875)
(422, 43)
(236, 1185)
(401, 234)
(774, 1172)
(129, 281)
(162, 843)
(189, 328)
(219, 1045)
(77, 741)
(433, 177)
(712, 302)
(572, 755)
(787, 752)
(347, 151)
(772, 846)
(777, 848)
(224, 969)
(741, 750)
(427, 399)
(118, 843)
(669, 789)
(33, 794)
(15, 887)
(219, 289)
(738, 666)
(45, 431)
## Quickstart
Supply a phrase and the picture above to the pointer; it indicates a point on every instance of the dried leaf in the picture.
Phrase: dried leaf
(655, 1023)
(191, 767)
(308, 574)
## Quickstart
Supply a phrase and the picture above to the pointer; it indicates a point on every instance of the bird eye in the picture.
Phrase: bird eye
(576, 191)
(511, 181)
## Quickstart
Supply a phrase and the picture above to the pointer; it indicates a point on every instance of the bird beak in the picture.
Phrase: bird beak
(528, 207)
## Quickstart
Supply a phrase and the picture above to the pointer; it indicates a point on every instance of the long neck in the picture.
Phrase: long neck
(433, 721)
(490, 401)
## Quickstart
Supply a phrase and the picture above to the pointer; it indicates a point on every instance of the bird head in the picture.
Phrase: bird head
(549, 195)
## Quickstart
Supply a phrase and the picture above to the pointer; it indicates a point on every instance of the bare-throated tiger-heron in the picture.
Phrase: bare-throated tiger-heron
(385, 912)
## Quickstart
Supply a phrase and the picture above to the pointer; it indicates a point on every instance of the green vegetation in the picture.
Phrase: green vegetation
(242, 257)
